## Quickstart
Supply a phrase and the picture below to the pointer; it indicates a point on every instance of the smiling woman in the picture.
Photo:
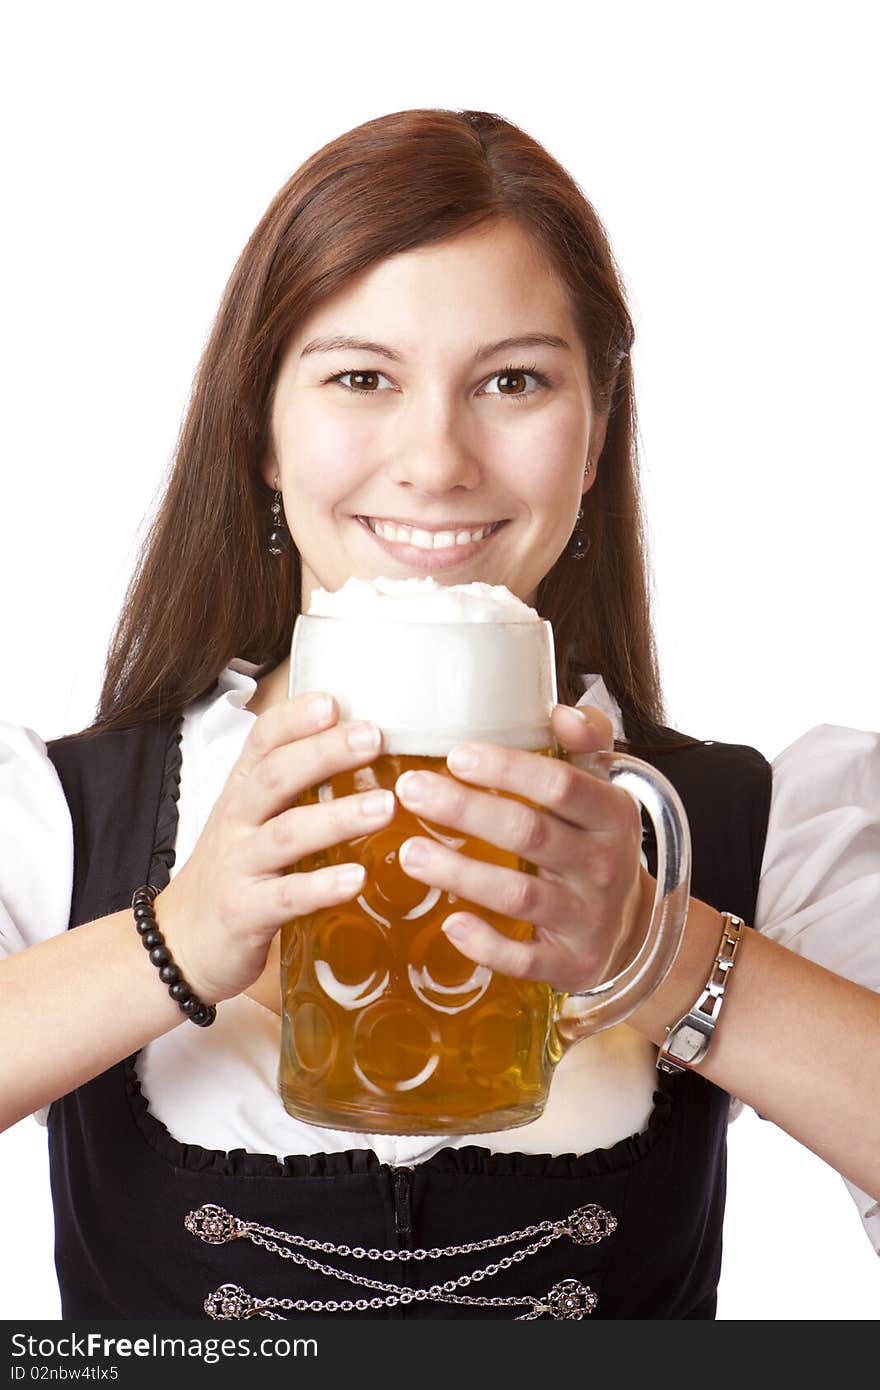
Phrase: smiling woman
(427, 467)
(420, 369)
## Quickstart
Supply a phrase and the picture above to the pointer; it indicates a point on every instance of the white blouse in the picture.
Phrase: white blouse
(217, 1087)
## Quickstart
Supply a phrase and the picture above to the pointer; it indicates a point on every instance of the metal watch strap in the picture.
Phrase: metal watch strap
(687, 1041)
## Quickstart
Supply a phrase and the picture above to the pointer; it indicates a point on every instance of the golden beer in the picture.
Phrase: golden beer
(386, 1027)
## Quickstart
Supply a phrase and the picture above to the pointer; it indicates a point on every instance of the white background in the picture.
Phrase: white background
(731, 153)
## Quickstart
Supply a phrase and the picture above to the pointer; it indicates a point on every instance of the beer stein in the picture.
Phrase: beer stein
(386, 1026)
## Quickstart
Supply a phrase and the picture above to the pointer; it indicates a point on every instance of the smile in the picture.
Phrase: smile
(447, 548)
(422, 539)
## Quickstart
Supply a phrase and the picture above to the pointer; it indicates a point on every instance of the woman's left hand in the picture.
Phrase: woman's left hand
(590, 901)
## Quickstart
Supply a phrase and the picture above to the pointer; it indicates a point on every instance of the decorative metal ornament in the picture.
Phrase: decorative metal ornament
(568, 1299)
(578, 542)
(279, 536)
(212, 1224)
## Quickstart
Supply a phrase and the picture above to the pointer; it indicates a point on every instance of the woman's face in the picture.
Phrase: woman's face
(397, 448)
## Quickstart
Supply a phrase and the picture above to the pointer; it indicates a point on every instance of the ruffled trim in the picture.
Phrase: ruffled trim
(165, 835)
(471, 1158)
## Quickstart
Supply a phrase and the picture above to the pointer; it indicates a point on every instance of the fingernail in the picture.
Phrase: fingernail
(463, 759)
(411, 787)
(583, 713)
(363, 738)
(455, 929)
(414, 854)
(377, 805)
(350, 876)
(319, 708)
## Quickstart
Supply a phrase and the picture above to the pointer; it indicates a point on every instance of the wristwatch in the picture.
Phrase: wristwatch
(687, 1041)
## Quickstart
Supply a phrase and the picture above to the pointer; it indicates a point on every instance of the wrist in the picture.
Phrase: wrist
(689, 1039)
(183, 983)
(686, 980)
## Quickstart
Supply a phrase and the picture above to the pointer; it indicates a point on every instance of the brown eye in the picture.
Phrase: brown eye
(514, 383)
(511, 383)
(361, 383)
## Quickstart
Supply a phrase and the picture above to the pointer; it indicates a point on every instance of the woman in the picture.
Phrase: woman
(426, 331)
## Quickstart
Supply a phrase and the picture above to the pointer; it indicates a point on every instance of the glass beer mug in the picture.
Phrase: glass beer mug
(386, 1027)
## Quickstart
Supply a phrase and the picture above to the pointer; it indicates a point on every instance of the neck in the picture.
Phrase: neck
(271, 689)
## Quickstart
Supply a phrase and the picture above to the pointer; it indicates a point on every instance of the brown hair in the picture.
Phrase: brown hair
(205, 588)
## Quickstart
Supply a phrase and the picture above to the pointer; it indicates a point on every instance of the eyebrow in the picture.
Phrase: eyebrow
(524, 340)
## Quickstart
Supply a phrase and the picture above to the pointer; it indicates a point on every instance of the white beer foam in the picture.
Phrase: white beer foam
(421, 601)
(430, 664)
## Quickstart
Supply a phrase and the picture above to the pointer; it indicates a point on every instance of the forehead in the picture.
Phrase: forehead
(491, 282)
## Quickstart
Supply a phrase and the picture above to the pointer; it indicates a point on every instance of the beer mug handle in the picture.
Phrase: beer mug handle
(591, 1010)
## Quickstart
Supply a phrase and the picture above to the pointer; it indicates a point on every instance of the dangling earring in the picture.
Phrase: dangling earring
(578, 541)
(279, 536)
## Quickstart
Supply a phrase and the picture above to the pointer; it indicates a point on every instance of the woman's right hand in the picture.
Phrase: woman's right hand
(222, 909)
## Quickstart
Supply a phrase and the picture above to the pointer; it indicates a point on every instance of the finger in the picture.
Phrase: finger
(283, 723)
(485, 946)
(287, 838)
(569, 969)
(509, 892)
(585, 733)
(275, 783)
(273, 902)
(580, 796)
(510, 824)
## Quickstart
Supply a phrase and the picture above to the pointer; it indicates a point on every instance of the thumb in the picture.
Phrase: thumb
(583, 731)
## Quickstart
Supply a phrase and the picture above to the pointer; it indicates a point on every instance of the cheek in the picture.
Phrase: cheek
(545, 461)
(322, 458)
(558, 424)
(566, 429)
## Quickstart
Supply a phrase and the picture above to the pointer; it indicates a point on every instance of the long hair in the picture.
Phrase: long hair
(205, 589)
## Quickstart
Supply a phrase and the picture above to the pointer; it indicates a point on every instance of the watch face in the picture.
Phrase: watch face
(687, 1044)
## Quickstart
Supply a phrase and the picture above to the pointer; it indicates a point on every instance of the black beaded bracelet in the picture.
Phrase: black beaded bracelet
(154, 942)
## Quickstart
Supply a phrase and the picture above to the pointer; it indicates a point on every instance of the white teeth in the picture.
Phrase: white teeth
(425, 540)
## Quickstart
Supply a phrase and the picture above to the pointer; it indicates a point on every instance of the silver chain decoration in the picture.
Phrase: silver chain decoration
(569, 1299)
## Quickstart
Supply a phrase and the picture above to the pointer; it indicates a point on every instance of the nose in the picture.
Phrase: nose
(432, 452)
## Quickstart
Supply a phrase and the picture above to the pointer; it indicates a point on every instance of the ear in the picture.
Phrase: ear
(269, 470)
(597, 444)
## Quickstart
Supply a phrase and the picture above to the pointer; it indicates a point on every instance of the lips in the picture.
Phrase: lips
(413, 549)
(424, 538)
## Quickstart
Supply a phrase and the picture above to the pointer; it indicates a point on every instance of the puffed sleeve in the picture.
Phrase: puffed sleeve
(36, 843)
(36, 846)
(819, 892)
